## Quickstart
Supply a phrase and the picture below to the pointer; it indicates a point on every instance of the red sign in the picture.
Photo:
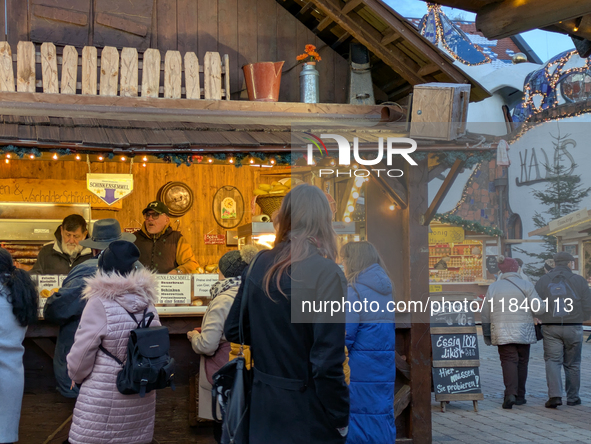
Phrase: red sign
(131, 230)
(215, 239)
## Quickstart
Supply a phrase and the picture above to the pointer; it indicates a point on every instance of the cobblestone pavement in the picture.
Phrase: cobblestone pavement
(530, 423)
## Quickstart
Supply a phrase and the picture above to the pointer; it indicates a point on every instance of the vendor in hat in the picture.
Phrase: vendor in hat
(163, 249)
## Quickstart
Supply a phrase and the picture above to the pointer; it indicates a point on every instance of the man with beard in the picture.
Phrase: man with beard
(163, 249)
(60, 256)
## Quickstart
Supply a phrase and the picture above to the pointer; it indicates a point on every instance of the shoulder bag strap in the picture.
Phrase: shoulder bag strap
(518, 287)
(243, 301)
(110, 355)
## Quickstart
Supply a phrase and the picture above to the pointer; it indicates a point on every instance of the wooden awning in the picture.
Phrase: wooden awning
(401, 57)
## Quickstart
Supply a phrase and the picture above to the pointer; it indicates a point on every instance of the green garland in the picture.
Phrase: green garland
(467, 224)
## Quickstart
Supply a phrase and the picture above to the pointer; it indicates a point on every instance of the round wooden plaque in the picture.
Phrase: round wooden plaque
(177, 196)
(228, 207)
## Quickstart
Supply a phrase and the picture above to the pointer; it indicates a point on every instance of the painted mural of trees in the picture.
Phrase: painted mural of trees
(561, 196)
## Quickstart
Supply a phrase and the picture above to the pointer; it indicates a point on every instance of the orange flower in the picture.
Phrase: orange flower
(302, 57)
(310, 48)
(310, 55)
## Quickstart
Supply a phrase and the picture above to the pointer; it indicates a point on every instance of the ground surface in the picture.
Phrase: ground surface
(530, 423)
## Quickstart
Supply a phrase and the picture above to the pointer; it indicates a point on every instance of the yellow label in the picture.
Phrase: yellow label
(446, 235)
(435, 288)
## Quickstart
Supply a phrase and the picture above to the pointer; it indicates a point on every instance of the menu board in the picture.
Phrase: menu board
(454, 346)
(202, 283)
(173, 288)
(455, 380)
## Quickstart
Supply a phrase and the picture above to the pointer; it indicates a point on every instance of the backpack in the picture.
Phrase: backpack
(148, 366)
(562, 298)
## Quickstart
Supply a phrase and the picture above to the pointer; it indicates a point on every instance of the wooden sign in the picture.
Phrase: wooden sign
(214, 239)
(131, 230)
(110, 187)
(456, 381)
(174, 289)
(51, 190)
(446, 235)
(455, 348)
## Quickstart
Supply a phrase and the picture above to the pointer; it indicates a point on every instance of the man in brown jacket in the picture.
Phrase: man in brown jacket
(163, 249)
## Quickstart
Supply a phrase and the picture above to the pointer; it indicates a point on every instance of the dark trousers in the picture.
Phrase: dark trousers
(514, 361)
(217, 432)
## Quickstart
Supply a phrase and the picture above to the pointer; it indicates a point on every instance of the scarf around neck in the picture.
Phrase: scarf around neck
(226, 284)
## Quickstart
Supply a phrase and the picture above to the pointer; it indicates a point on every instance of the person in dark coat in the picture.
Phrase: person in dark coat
(563, 335)
(299, 393)
(371, 340)
(63, 254)
(65, 307)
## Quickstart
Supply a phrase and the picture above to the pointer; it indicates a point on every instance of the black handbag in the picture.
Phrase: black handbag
(232, 385)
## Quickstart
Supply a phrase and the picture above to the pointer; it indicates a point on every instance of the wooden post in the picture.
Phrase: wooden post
(25, 67)
(6, 69)
(172, 74)
(129, 73)
(49, 68)
(69, 70)
(212, 76)
(192, 84)
(89, 81)
(151, 73)
(416, 272)
(109, 71)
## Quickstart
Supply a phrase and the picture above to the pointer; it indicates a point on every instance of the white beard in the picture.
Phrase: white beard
(72, 251)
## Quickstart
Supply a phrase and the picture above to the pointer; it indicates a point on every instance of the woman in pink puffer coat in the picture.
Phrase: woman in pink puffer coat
(102, 414)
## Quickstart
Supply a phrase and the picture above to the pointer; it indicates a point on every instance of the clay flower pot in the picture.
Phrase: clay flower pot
(263, 81)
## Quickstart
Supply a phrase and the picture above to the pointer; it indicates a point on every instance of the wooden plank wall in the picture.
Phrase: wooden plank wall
(248, 31)
(205, 180)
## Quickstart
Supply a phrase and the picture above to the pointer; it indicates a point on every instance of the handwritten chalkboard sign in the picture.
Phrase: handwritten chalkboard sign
(455, 347)
(454, 344)
(456, 380)
(492, 265)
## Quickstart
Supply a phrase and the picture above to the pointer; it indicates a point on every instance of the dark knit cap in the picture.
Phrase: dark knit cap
(119, 256)
(563, 256)
(233, 263)
(508, 265)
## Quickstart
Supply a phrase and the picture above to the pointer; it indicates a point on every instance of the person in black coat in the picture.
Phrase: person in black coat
(299, 393)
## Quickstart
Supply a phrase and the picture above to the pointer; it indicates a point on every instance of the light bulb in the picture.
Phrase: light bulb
(32, 156)
(55, 156)
(347, 219)
(100, 158)
(144, 165)
(145, 159)
(272, 161)
(7, 160)
(392, 207)
(231, 160)
(77, 156)
(351, 208)
(8, 156)
(355, 194)
(122, 158)
(359, 181)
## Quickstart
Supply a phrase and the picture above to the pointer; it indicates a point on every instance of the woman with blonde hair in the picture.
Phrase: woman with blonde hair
(299, 392)
(371, 339)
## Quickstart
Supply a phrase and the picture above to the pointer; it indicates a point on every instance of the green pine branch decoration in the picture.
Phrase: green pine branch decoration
(469, 225)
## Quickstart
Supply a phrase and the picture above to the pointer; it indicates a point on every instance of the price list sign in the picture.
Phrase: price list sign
(202, 283)
(174, 289)
(47, 285)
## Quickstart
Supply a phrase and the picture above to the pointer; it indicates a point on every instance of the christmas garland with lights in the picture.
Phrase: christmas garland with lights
(469, 225)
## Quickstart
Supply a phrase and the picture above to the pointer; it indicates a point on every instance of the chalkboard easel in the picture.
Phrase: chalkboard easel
(454, 342)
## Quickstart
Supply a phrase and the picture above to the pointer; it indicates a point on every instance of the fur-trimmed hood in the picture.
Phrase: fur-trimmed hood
(133, 292)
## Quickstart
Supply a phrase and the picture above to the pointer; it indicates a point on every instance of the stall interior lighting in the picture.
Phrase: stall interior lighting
(55, 156)
(32, 156)
(145, 159)
(123, 159)
(144, 165)
(266, 240)
(7, 160)
(357, 184)
(8, 156)
(392, 207)
(77, 156)
(100, 158)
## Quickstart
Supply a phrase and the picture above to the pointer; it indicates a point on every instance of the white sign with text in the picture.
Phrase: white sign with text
(174, 289)
(202, 283)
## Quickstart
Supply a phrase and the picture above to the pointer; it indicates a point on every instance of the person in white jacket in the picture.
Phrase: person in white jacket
(209, 341)
(508, 322)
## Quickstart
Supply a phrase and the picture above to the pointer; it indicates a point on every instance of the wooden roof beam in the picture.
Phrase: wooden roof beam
(350, 5)
(412, 36)
(510, 17)
(390, 37)
(371, 38)
(443, 190)
(323, 24)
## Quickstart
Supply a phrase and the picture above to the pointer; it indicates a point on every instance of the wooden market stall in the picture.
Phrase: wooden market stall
(164, 109)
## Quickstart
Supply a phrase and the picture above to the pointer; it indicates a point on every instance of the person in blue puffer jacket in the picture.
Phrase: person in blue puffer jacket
(370, 339)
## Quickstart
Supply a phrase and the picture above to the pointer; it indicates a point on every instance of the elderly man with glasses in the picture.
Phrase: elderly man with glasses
(163, 249)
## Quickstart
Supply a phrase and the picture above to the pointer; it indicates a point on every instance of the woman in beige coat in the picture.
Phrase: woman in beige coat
(210, 342)
(103, 415)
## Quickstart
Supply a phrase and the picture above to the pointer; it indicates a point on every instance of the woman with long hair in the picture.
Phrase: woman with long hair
(299, 392)
(371, 339)
(18, 308)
